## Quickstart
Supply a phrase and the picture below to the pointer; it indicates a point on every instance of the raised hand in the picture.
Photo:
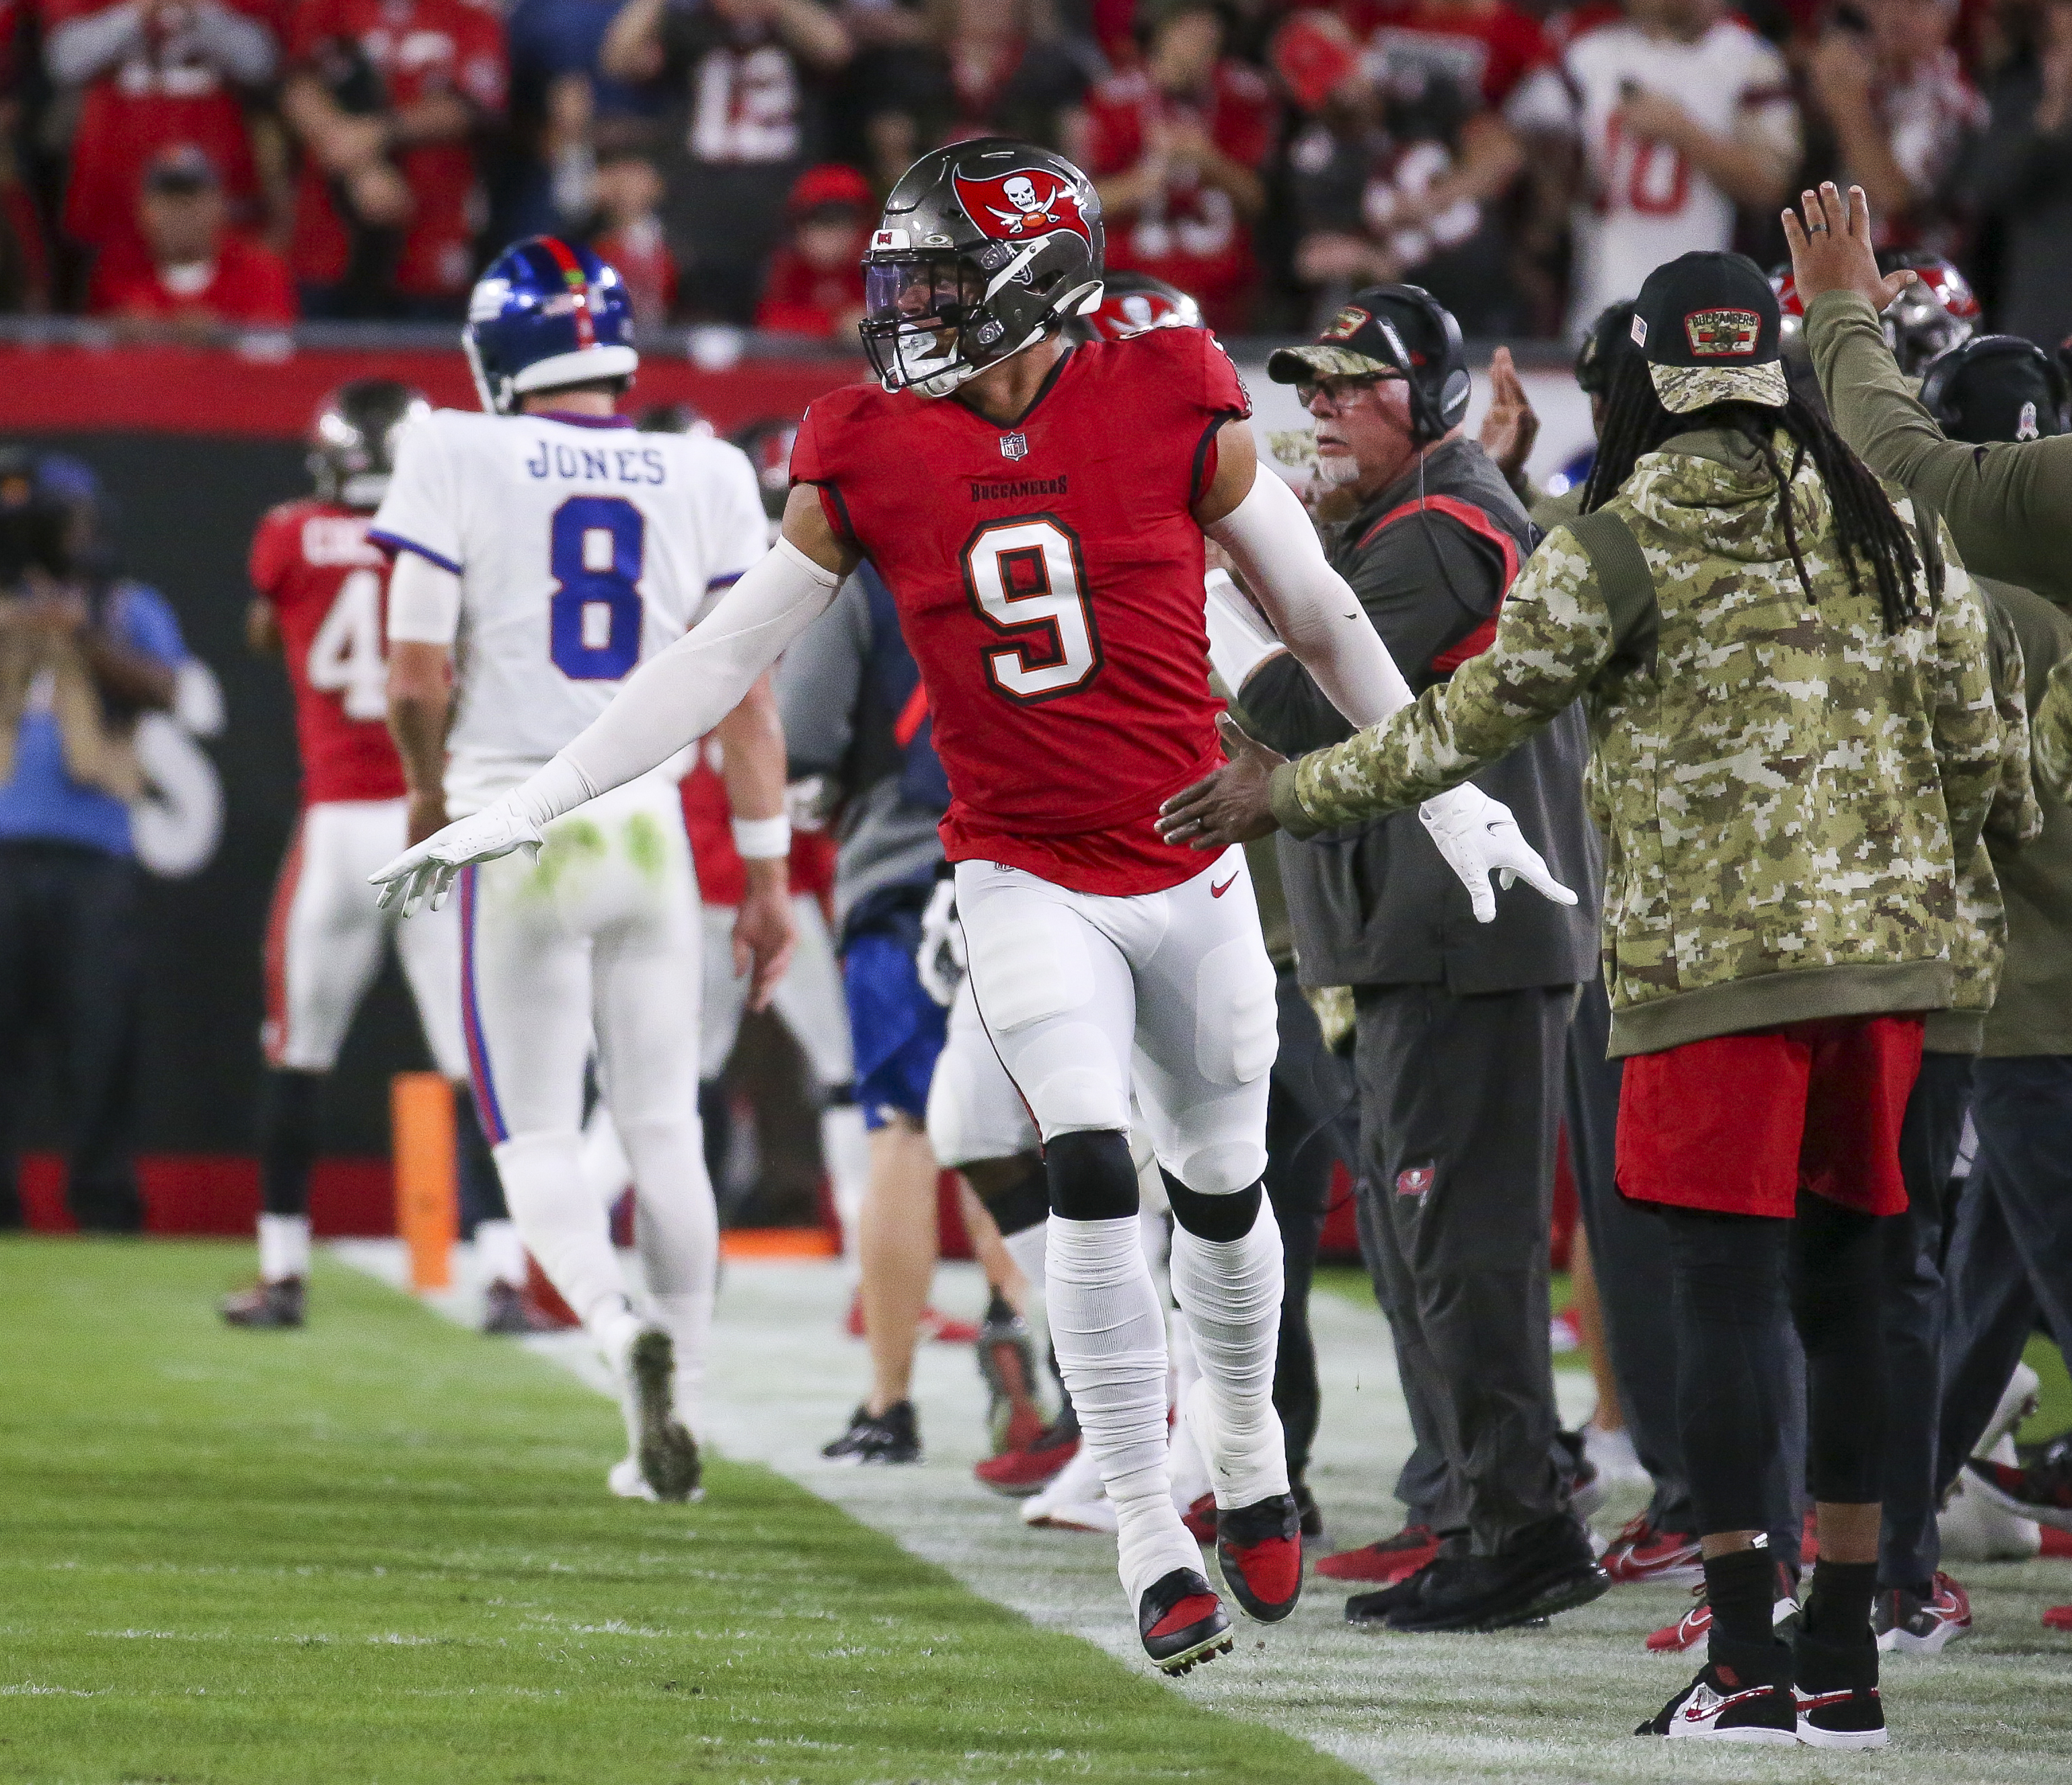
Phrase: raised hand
(1832, 251)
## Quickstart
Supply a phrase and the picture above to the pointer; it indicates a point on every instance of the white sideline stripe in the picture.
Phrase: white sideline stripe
(1527, 1705)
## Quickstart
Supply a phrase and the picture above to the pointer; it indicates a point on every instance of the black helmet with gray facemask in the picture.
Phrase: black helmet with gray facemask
(985, 247)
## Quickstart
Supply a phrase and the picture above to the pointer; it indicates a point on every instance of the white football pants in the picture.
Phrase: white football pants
(600, 934)
(975, 1113)
(325, 935)
(1083, 995)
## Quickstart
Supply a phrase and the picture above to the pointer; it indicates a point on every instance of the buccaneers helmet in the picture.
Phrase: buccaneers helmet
(1134, 303)
(354, 437)
(1931, 316)
(984, 247)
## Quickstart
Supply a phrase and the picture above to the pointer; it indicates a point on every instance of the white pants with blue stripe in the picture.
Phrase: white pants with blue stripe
(599, 936)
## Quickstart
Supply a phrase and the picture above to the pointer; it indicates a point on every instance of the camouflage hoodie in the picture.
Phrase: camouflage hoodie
(1783, 789)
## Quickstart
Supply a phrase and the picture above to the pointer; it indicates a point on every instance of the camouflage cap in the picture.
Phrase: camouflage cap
(1356, 343)
(1709, 323)
(1295, 365)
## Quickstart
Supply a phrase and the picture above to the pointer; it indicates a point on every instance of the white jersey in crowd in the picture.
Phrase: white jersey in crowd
(1648, 204)
(582, 547)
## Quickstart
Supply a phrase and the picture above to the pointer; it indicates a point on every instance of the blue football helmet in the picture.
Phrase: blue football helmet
(546, 312)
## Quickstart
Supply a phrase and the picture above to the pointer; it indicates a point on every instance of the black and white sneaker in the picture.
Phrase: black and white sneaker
(1546, 1569)
(1182, 1621)
(1716, 1706)
(1852, 1716)
(279, 1305)
(668, 1454)
(890, 1436)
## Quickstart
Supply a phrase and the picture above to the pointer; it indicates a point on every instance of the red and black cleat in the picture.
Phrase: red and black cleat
(1259, 1548)
(1029, 1470)
(1200, 1519)
(1182, 1621)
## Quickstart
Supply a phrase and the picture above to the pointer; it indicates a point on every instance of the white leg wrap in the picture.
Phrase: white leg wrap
(1229, 1292)
(284, 1246)
(1110, 1333)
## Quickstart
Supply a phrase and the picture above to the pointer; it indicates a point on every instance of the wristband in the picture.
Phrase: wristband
(763, 839)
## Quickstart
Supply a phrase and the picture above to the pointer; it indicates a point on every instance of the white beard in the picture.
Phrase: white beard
(1335, 471)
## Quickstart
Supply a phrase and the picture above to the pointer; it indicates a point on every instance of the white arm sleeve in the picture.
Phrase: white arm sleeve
(1317, 615)
(424, 602)
(680, 694)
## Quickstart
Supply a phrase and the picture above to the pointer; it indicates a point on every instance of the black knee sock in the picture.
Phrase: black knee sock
(1092, 1176)
(1019, 1204)
(288, 1103)
(1218, 1219)
(1837, 1609)
(1741, 1587)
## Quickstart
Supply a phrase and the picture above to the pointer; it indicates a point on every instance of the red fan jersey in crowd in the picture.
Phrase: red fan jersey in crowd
(417, 47)
(167, 93)
(708, 823)
(1189, 234)
(1484, 46)
(1048, 578)
(800, 298)
(245, 284)
(312, 563)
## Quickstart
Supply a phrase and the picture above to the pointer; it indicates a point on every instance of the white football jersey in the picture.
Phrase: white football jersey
(582, 547)
(1648, 203)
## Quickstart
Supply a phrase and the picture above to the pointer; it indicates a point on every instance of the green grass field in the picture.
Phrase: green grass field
(381, 1551)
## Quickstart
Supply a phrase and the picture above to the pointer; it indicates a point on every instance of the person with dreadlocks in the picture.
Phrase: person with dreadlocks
(1794, 747)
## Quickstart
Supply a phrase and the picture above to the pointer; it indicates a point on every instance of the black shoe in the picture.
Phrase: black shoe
(267, 1305)
(1182, 1621)
(2042, 1491)
(1720, 1706)
(1007, 1364)
(507, 1312)
(1548, 1568)
(1373, 1610)
(1259, 1549)
(669, 1460)
(889, 1437)
(1837, 1692)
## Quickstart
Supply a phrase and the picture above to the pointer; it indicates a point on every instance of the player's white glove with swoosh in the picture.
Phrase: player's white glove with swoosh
(939, 963)
(1478, 837)
(424, 875)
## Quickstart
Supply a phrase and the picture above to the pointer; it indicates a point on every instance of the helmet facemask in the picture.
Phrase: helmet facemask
(932, 320)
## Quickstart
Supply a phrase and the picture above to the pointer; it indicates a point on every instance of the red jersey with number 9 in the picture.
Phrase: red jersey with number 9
(311, 562)
(1048, 577)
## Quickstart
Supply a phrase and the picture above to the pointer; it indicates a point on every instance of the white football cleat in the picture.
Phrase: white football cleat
(1073, 1500)
(628, 1484)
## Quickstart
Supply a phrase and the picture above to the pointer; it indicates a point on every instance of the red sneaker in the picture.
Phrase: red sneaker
(1019, 1473)
(1696, 1625)
(1259, 1549)
(937, 1326)
(1200, 1519)
(1182, 1621)
(1641, 1552)
(1386, 1562)
(2058, 1617)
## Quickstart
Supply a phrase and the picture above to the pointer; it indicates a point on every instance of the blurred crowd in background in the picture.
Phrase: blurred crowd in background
(181, 164)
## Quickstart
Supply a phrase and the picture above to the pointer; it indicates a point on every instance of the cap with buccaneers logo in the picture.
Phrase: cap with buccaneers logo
(1709, 325)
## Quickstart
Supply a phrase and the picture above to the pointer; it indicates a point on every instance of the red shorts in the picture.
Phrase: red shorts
(1740, 1124)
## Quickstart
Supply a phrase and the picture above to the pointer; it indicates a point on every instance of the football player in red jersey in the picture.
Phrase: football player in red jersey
(319, 587)
(1042, 533)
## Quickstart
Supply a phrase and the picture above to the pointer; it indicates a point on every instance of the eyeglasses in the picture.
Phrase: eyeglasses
(1338, 394)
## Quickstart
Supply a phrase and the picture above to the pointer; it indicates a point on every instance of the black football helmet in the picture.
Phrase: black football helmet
(353, 437)
(1134, 303)
(1996, 387)
(984, 247)
(1929, 318)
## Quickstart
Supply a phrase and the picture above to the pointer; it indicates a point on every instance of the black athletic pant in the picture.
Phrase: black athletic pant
(71, 977)
(1460, 1102)
(1309, 1114)
(2011, 1255)
(1733, 1278)
(1912, 1247)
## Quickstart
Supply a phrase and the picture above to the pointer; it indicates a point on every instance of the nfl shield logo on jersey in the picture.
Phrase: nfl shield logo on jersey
(1014, 446)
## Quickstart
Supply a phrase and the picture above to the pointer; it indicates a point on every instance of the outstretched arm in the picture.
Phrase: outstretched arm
(677, 696)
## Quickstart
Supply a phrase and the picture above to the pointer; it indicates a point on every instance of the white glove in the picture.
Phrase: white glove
(940, 961)
(425, 875)
(1478, 837)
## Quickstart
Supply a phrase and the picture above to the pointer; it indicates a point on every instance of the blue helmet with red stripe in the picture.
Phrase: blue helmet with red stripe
(546, 312)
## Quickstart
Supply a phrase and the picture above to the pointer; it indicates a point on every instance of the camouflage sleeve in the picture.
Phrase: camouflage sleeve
(2015, 818)
(1553, 636)
(2051, 732)
(1966, 721)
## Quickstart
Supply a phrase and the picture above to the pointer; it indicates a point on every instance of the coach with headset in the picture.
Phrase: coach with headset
(1460, 1025)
